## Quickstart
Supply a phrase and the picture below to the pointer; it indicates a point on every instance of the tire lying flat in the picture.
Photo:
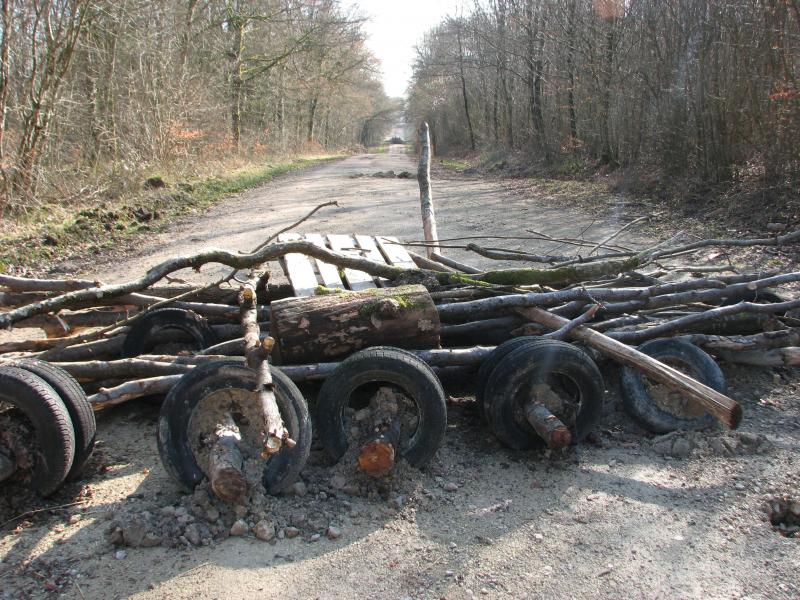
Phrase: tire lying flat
(175, 447)
(690, 359)
(392, 366)
(50, 419)
(136, 341)
(513, 382)
(80, 411)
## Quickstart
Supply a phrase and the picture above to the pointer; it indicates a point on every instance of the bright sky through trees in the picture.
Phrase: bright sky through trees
(395, 27)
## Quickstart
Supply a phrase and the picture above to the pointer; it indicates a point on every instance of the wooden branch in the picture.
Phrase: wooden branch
(108, 397)
(762, 341)
(425, 196)
(238, 261)
(564, 331)
(505, 254)
(683, 323)
(300, 221)
(24, 284)
(225, 462)
(616, 234)
(720, 406)
(127, 368)
(548, 426)
(426, 263)
(256, 353)
(453, 264)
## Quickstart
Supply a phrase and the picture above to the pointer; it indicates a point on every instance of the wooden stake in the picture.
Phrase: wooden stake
(548, 426)
(725, 409)
(425, 196)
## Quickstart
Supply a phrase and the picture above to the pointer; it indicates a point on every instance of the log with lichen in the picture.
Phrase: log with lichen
(324, 328)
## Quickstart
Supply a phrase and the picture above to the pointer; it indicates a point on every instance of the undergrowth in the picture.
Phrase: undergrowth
(55, 231)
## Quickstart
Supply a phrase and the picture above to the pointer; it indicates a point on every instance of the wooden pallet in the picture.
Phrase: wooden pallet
(306, 273)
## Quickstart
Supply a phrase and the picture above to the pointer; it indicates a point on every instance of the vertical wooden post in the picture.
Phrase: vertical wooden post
(425, 197)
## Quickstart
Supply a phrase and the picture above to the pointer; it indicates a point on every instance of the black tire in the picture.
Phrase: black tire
(49, 417)
(686, 357)
(509, 389)
(136, 341)
(80, 411)
(384, 365)
(174, 445)
(491, 361)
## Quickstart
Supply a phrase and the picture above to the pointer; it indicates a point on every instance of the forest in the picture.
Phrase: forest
(106, 88)
(706, 89)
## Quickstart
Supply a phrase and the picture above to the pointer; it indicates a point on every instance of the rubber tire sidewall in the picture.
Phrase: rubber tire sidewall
(492, 360)
(392, 366)
(195, 325)
(175, 450)
(80, 411)
(529, 364)
(50, 418)
(640, 406)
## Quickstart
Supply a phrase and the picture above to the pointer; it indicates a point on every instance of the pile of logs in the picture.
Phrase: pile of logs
(610, 299)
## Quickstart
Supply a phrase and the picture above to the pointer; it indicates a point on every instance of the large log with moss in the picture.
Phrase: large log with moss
(334, 325)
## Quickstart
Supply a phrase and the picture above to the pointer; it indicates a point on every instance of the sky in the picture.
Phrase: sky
(394, 28)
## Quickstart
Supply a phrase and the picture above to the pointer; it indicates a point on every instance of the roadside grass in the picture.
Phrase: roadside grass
(55, 232)
(454, 165)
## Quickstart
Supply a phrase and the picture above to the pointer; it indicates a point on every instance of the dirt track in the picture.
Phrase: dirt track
(612, 518)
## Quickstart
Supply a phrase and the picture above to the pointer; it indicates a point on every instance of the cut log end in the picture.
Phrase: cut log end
(229, 484)
(548, 426)
(377, 458)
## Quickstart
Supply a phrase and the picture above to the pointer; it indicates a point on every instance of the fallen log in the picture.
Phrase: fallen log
(548, 426)
(108, 397)
(225, 462)
(321, 328)
(681, 324)
(724, 409)
(762, 341)
(779, 357)
(453, 264)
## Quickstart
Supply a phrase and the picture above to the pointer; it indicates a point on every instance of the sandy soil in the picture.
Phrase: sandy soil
(625, 515)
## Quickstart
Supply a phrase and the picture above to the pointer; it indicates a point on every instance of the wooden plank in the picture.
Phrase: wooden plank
(395, 253)
(299, 269)
(328, 273)
(371, 252)
(357, 280)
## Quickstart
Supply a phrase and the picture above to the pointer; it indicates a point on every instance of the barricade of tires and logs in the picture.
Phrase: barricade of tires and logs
(228, 356)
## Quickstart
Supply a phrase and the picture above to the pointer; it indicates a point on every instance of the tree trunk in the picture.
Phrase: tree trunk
(312, 115)
(464, 88)
(322, 328)
(236, 25)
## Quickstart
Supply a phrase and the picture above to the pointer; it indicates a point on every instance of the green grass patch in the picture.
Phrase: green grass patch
(55, 232)
(455, 165)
